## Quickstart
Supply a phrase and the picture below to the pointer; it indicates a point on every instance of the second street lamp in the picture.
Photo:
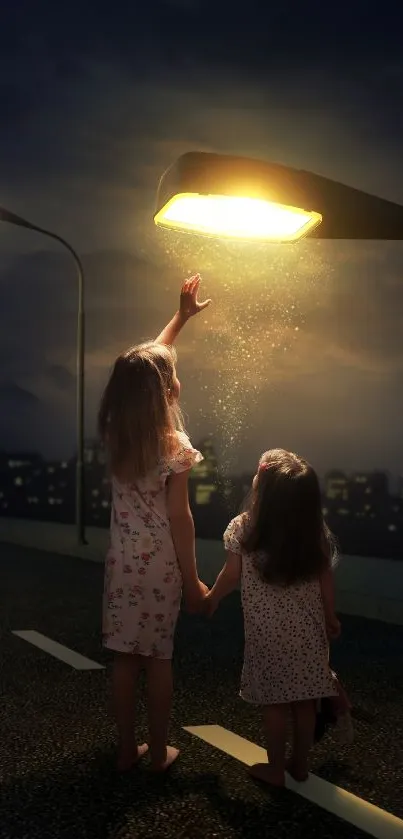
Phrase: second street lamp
(11, 218)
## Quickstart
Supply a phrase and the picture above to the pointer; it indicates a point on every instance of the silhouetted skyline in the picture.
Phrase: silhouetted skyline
(361, 509)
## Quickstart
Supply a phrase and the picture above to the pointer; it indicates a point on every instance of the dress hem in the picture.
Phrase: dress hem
(123, 648)
(270, 701)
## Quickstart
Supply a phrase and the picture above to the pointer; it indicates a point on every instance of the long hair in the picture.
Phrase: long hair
(286, 521)
(139, 414)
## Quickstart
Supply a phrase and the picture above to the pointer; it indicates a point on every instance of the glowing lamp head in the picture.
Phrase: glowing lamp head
(236, 217)
(233, 198)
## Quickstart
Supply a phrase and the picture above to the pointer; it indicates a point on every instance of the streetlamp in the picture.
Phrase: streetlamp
(11, 218)
(240, 198)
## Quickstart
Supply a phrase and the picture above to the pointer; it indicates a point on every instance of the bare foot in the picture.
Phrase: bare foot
(162, 766)
(297, 771)
(264, 772)
(127, 758)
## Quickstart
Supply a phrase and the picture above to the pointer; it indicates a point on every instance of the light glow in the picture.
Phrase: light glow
(234, 217)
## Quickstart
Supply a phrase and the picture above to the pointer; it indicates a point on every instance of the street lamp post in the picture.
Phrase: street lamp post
(11, 218)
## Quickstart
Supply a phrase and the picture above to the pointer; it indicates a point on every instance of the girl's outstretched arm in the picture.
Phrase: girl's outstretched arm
(226, 582)
(188, 306)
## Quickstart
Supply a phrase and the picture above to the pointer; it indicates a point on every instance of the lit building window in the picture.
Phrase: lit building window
(201, 470)
(204, 493)
(337, 487)
(16, 464)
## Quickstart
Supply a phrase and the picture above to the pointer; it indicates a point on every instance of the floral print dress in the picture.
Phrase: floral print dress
(143, 582)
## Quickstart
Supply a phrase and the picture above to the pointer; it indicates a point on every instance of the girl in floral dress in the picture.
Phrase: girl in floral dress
(151, 557)
(281, 551)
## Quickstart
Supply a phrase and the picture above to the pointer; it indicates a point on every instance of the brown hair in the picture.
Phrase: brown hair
(139, 414)
(286, 520)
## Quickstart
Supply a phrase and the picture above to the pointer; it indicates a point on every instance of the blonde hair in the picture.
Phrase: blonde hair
(139, 414)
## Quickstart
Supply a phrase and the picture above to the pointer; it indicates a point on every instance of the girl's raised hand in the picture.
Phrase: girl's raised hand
(189, 304)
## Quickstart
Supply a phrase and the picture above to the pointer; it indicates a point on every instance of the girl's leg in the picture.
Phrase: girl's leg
(126, 669)
(304, 718)
(275, 727)
(159, 690)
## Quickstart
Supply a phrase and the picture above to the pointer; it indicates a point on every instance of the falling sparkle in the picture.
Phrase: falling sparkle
(260, 294)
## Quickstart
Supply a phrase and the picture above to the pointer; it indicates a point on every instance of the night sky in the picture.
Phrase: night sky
(303, 346)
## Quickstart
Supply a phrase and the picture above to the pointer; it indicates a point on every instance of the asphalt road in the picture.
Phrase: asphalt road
(57, 737)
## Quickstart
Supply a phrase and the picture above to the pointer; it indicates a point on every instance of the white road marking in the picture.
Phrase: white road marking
(79, 662)
(345, 805)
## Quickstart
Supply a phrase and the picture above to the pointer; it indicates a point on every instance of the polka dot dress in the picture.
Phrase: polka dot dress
(286, 648)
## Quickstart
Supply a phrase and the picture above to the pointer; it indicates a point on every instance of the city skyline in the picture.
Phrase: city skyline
(94, 454)
(394, 480)
(361, 510)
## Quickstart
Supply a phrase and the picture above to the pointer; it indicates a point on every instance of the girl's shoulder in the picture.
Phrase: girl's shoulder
(184, 457)
(235, 532)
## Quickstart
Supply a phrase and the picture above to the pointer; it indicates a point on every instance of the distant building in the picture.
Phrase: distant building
(58, 486)
(369, 493)
(34, 488)
(94, 453)
(204, 481)
(336, 486)
(97, 484)
(21, 483)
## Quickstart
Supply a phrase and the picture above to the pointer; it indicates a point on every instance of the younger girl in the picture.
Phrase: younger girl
(280, 549)
(152, 541)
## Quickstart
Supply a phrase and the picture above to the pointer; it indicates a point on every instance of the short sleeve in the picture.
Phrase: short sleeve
(185, 457)
(234, 535)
